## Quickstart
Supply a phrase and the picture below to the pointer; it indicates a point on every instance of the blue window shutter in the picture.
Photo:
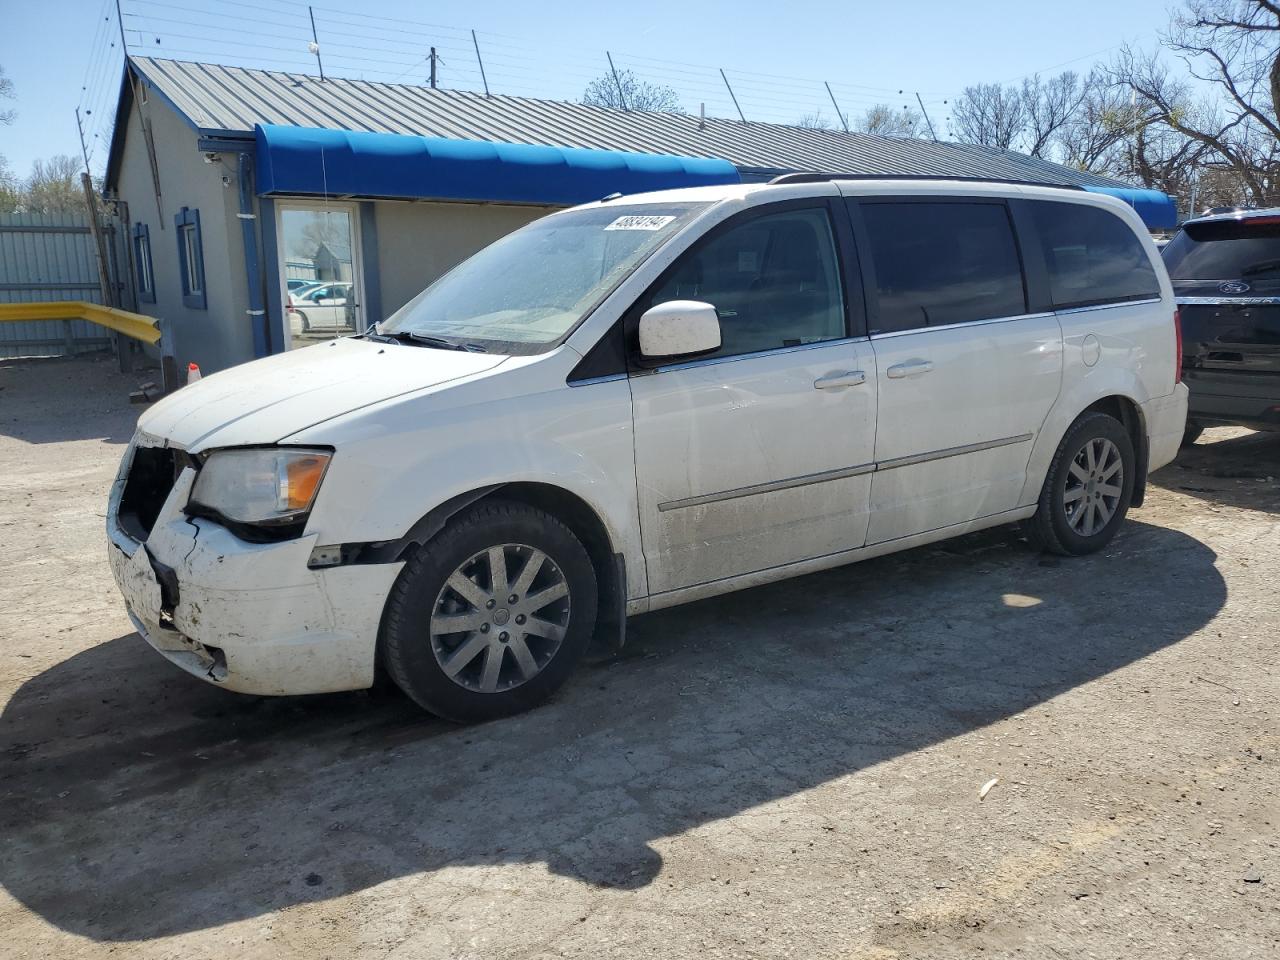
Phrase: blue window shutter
(197, 300)
(146, 276)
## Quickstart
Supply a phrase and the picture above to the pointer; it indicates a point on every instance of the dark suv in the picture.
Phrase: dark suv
(1226, 279)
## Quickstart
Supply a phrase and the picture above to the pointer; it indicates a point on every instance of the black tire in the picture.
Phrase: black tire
(302, 318)
(409, 650)
(1191, 432)
(1050, 529)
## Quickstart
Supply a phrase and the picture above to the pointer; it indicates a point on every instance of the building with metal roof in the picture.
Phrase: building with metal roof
(239, 184)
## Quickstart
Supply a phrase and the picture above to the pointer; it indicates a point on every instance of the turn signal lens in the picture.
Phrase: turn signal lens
(302, 478)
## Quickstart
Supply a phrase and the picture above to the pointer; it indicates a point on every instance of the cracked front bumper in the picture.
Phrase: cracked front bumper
(246, 616)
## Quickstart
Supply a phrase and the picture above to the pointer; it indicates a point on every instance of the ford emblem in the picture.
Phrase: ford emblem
(1233, 286)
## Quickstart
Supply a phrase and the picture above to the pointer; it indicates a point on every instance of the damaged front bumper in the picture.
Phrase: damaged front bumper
(250, 617)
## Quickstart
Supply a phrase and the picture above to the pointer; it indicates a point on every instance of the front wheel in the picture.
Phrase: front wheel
(491, 616)
(1087, 491)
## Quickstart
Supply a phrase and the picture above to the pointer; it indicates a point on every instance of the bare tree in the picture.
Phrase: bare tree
(989, 114)
(1092, 137)
(1047, 107)
(814, 121)
(883, 120)
(8, 184)
(54, 186)
(626, 91)
(1231, 45)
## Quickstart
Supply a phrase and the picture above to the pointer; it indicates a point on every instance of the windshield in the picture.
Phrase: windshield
(528, 290)
(1225, 250)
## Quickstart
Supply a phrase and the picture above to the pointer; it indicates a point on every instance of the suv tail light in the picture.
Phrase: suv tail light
(1177, 349)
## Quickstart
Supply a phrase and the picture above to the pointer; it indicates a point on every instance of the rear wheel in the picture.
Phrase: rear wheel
(302, 319)
(491, 616)
(1191, 433)
(1087, 491)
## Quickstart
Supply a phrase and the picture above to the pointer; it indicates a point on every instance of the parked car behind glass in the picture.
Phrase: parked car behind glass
(323, 307)
(641, 402)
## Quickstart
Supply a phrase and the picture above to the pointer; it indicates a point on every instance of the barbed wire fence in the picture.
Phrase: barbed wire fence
(276, 34)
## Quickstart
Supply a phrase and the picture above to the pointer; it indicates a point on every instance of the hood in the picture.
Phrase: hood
(269, 399)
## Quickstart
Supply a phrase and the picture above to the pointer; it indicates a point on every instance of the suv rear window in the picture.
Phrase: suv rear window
(1092, 256)
(1226, 250)
(941, 263)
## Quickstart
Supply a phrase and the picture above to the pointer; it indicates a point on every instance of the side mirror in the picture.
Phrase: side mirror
(679, 328)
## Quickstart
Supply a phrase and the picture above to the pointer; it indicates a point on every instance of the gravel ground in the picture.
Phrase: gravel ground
(789, 771)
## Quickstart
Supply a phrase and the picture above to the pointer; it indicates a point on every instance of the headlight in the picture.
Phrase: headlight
(261, 486)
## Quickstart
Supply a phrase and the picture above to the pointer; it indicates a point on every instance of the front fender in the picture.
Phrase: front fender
(395, 464)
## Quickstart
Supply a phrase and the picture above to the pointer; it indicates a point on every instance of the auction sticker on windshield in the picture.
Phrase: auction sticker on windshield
(639, 222)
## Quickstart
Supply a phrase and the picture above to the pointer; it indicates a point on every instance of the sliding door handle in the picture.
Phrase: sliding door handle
(838, 381)
(909, 368)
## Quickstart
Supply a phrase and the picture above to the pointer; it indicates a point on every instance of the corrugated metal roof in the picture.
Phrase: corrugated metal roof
(228, 101)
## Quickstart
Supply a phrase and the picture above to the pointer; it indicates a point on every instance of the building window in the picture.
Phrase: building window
(190, 258)
(142, 263)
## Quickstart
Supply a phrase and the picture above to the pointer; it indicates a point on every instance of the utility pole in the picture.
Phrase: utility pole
(432, 58)
(622, 97)
(483, 78)
(839, 113)
(732, 95)
(84, 150)
(926, 118)
(315, 41)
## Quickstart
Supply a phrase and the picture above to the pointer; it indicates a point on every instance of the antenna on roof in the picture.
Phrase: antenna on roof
(733, 95)
(839, 113)
(483, 78)
(314, 45)
(926, 118)
(622, 97)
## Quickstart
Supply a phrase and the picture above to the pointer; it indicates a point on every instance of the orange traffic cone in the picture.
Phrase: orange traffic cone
(193, 372)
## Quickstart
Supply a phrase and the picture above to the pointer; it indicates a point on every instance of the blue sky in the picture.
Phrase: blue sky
(776, 55)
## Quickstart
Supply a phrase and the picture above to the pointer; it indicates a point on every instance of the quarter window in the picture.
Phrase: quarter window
(773, 280)
(190, 258)
(1092, 255)
(942, 263)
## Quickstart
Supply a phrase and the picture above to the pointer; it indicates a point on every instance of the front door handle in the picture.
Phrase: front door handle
(838, 381)
(909, 368)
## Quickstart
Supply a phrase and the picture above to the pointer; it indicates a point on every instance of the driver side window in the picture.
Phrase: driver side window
(773, 280)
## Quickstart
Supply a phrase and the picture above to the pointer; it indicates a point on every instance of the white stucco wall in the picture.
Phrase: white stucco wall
(220, 335)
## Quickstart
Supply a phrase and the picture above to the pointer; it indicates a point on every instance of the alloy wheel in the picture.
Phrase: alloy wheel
(1095, 484)
(500, 618)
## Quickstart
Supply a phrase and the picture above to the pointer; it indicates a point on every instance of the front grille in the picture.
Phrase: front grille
(152, 474)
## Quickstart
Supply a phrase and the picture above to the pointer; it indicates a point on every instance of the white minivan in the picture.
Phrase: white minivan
(645, 401)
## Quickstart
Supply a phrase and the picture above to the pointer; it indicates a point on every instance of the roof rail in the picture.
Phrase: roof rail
(823, 177)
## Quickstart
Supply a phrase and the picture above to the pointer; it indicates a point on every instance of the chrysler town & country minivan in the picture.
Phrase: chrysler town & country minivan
(644, 401)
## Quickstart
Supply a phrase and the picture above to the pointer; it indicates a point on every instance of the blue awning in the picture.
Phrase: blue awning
(1156, 209)
(313, 162)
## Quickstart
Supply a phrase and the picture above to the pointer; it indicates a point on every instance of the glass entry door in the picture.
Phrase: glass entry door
(320, 283)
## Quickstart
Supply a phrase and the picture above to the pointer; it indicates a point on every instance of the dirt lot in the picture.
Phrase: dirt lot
(790, 771)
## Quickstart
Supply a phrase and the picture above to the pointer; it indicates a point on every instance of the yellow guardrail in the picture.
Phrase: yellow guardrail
(135, 325)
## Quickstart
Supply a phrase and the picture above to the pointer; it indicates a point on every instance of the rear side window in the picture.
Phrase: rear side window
(1092, 256)
(1247, 249)
(941, 263)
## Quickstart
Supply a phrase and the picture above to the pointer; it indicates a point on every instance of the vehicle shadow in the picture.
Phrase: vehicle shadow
(55, 399)
(1230, 466)
(140, 803)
